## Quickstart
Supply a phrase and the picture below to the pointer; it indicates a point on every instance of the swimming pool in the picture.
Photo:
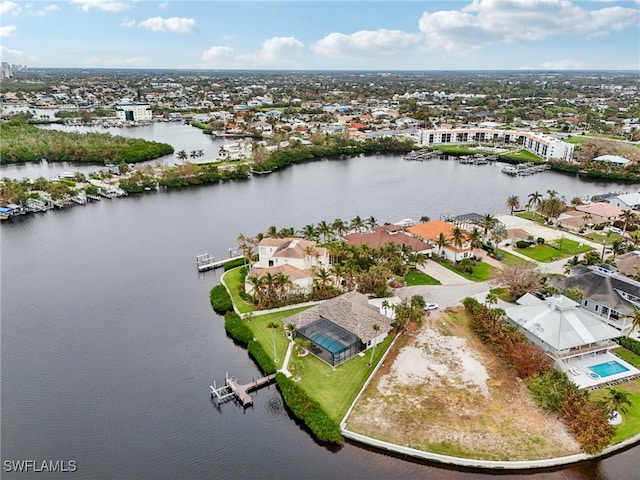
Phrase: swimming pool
(332, 344)
(608, 368)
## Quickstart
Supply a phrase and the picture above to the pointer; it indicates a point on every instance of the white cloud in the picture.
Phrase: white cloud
(48, 9)
(7, 30)
(164, 5)
(127, 22)
(276, 52)
(9, 7)
(9, 55)
(106, 5)
(484, 22)
(366, 42)
(173, 24)
(562, 65)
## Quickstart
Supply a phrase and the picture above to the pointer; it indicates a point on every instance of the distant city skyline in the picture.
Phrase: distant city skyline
(323, 35)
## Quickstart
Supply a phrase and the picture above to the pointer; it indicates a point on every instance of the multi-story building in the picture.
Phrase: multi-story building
(545, 146)
(134, 112)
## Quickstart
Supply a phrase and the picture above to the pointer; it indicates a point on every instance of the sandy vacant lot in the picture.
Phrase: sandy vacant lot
(441, 390)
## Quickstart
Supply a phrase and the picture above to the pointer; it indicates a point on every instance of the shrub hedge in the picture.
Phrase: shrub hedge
(220, 300)
(309, 411)
(235, 326)
(630, 344)
(234, 264)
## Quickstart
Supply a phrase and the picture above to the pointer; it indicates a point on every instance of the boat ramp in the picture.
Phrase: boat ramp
(233, 389)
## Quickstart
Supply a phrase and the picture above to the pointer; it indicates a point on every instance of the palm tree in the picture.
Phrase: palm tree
(552, 193)
(309, 232)
(325, 230)
(513, 202)
(491, 299)
(376, 328)
(357, 223)
(635, 319)
(371, 222)
(475, 238)
(488, 221)
(274, 326)
(181, 155)
(193, 154)
(457, 239)
(628, 217)
(618, 401)
(442, 241)
(339, 226)
(535, 200)
(424, 219)
(498, 233)
(272, 232)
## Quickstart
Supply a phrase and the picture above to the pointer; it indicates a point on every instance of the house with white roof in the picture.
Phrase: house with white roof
(578, 341)
(614, 159)
(626, 200)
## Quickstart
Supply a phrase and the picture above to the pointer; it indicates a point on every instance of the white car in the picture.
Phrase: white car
(431, 306)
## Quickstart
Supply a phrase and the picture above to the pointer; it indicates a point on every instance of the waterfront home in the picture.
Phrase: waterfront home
(430, 231)
(629, 263)
(577, 220)
(294, 257)
(578, 340)
(381, 235)
(600, 212)
(341, 327)
(626, 200)
(606, 293)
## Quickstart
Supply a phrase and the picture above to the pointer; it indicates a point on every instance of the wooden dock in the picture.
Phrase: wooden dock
(205, 262)
(233, 389)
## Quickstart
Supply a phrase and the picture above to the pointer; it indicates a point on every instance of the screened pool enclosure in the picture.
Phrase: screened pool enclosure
(330, 342)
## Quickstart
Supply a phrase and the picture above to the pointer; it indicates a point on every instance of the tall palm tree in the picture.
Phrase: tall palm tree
(535, 199)
(457, 239)
(309, 232)
(424, 219)
(371, 222)
(488, 221)
(475, 238)
(552, 193)
(498, 233)
(357, 223)
(628, 217)
(325, 230)
(635, 319)
(272, 232)
(376, 328)
(339, 226)
(274, 326)
(441, 242)
(513, 202)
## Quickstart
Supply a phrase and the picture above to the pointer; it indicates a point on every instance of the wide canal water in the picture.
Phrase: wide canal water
(109, 343)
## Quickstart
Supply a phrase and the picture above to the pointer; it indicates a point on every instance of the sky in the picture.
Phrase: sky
(323, 35)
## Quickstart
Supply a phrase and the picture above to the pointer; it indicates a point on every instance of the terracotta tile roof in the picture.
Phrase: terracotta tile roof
(431, 230)
(381, 235)
(601, 209)
(292, 247)
(289, 270)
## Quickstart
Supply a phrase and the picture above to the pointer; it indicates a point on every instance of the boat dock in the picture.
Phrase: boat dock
(528, 168)
(205, 262)
(420, 155)
(233, 389)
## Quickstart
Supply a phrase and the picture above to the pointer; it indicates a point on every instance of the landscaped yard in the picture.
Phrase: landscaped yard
(415, 277)
(555, 250)
(231, 279)
(481, 271)
(334, 388)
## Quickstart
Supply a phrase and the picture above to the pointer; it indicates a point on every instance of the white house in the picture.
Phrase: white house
(293, 257)
(134, 112)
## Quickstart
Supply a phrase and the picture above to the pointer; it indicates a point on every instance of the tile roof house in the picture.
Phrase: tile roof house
(430, 231)
(293, 257)
(388, 234)
(607, 293)
(341, 327)
(602, 210)
(629, 263)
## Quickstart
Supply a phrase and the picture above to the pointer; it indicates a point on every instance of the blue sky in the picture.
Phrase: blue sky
(321, 35)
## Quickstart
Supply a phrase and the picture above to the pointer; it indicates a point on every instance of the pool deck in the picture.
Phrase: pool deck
(578, 371)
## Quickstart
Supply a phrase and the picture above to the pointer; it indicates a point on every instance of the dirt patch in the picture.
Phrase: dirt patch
(443, 391)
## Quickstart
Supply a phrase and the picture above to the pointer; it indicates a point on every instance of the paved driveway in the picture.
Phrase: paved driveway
(446, 295)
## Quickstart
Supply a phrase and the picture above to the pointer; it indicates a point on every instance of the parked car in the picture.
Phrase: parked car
(431, 306)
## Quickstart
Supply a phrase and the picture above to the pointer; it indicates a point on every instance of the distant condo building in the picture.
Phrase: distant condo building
(133, 112)
(5, 71)
(542, 145)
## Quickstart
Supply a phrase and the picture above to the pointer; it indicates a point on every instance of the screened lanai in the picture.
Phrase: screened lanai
(330, 342)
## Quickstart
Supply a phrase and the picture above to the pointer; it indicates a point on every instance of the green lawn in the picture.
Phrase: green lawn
(608, 237)
(481, 272)
(334, 388)
(231, 279)
(536, 217)
(509, 258)
(521, 156)
(554, 250)
(630, 425)
(415, 277)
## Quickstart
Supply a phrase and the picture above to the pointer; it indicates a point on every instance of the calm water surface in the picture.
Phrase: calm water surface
(109, 343)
